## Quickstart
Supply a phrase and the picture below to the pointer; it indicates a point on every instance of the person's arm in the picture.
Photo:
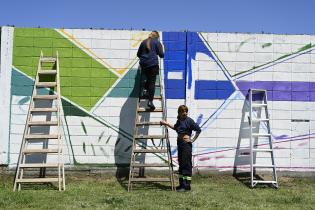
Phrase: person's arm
(162, 122)
(139, 53)
(195, 127)
(160, 51)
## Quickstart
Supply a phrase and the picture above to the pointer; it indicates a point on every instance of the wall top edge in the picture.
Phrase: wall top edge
(144, 29)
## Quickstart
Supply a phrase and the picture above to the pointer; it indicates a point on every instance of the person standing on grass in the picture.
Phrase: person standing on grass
(184, 127)
(148, 53)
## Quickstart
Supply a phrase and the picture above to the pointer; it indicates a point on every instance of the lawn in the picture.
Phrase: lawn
(212, 191)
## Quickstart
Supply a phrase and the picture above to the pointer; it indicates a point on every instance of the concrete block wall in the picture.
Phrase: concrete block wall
(209, 72)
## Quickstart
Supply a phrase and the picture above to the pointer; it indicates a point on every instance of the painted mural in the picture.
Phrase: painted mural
(209, 72)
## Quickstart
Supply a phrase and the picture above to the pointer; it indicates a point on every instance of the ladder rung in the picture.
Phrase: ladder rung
(45, 97)
(155, 97)
(48, 60)
(262, 150)
(259, 120)
(150, 110)
(44, 110)
(264, 182)
(40, 136)
(50, 72)
(261, 134)
(42, 123)
(259, 105)
(46, 84)
(257, 90)
(150, 150)
(150, 137)
(150, 165)
(37, 180)
(40, 151)
(40, 165)
(263, 166)
(150, 180)
(147, 123)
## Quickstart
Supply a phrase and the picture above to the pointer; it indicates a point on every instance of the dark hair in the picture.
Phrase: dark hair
(181, 108)
(155, 36)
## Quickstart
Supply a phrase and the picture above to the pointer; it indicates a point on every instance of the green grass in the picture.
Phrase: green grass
(209, 192)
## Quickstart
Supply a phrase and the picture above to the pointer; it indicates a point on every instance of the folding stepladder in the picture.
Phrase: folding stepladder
(140, 146)
(41, 146)
(258, 101)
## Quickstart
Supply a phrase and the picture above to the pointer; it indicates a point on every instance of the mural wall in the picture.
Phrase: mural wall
(210, 72)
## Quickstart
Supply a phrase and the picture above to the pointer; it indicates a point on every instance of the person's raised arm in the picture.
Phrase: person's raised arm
(160, 51)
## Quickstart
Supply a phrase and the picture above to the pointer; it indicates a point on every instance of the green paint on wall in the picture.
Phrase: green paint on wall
(266, 45)
(83, 80)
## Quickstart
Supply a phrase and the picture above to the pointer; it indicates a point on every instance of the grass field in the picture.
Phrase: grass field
(209, 192)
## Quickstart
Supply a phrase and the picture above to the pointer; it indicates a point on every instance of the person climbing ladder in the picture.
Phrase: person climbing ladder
(148, 53)
(184, 127)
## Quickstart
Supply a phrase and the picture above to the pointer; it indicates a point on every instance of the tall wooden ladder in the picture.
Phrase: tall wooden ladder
(159, 146)
(258, 103)
(41, 147)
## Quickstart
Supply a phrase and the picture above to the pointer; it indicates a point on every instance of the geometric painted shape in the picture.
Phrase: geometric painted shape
(83, 80)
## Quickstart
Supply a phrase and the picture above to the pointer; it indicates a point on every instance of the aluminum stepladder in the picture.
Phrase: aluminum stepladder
(41, 146)
(258, 102)
(141, 138)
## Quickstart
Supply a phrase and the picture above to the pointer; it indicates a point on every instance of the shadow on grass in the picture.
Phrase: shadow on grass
(43, 186)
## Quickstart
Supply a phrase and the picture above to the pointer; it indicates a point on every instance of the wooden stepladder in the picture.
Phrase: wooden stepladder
(258, 107)
(41, 147)
(160, 145)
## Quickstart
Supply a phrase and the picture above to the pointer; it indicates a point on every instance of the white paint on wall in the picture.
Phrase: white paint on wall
(5, 87)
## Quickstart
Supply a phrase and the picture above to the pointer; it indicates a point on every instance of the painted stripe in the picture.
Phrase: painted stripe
(211, 89)
(281, 90)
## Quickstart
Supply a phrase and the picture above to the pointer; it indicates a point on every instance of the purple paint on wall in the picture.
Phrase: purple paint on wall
(281, 90)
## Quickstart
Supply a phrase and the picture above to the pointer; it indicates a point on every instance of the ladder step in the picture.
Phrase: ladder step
(147, 123)
(40, 151)
(155, 97)
(48, 60)
(150, 137)
(257, 90)
(46, 72)
(46, 84)
(150, 150)
(37, 180)
(263, 166)
(150, 180)
(259, 105)
(40, 136)
(259, 120)
(34, 123)
(40, 165)
(262, 150)
(261, 134)
(44, 110)
(149, 165)
(264, 182)
(45, 97)
(150, 110)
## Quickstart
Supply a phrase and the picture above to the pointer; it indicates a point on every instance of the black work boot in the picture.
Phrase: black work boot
(183, 188)
(151, 105)
(181, 185)
(187, 186)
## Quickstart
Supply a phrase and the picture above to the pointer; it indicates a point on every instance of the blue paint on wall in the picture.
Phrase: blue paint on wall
(194, 45)
(174, 61)
(209, 89)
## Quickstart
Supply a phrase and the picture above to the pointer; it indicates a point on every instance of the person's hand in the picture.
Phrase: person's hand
(162, 122)
(186, 138)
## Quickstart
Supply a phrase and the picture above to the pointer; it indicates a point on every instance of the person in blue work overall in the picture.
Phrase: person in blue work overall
(184, 127)
(148, 53)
